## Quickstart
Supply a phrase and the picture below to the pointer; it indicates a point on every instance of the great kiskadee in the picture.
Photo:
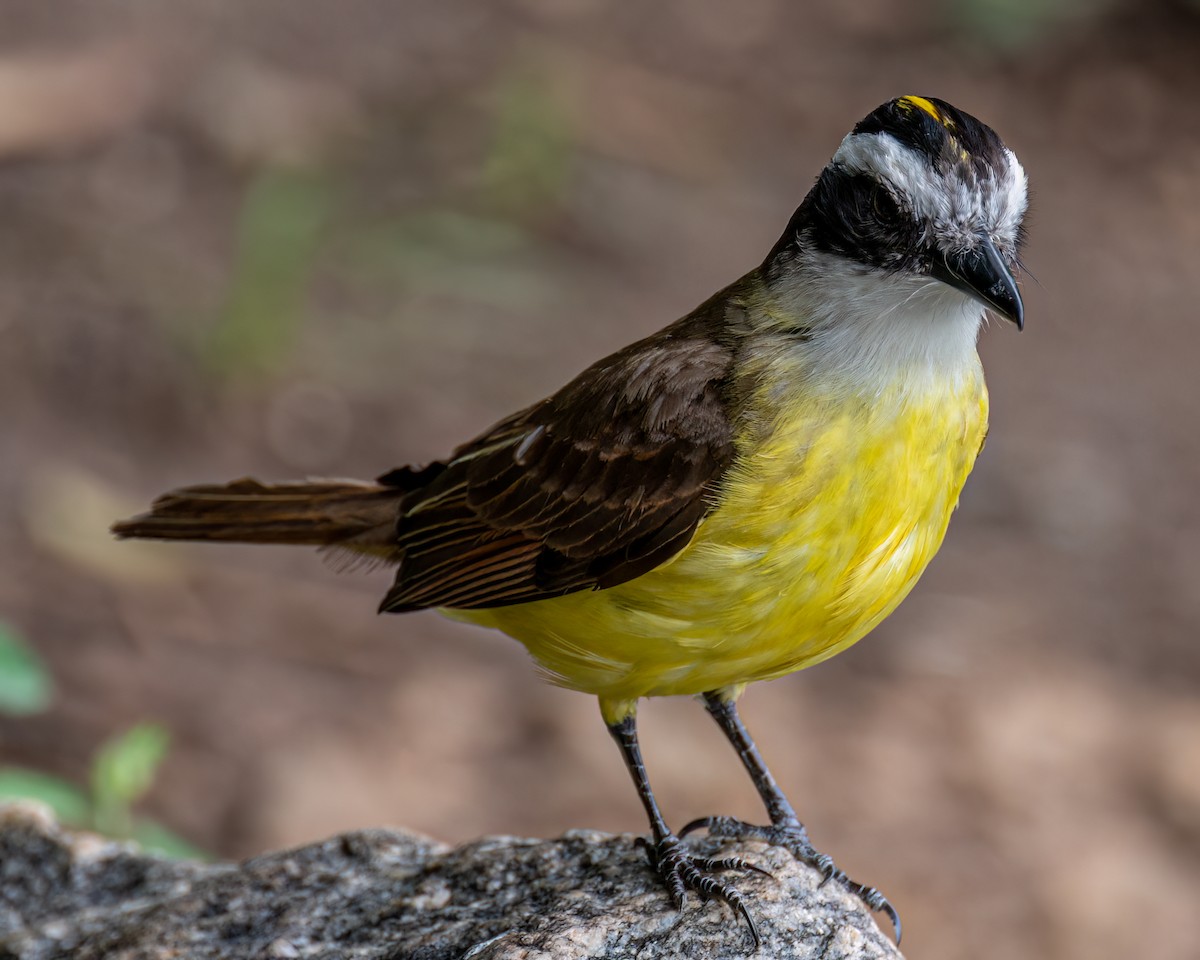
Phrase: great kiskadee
(744, 493)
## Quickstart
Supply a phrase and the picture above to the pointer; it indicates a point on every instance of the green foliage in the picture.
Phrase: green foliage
(70, 804)
(527, 167)
(152, 835)
(74, 807)
(477, 245)
(122, 771)
(445, 252)
(1014, 24)
(25, 686)
(475, 242)
(279, 233)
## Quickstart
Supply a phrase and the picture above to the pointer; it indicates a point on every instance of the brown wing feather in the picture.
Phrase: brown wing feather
(596, 485)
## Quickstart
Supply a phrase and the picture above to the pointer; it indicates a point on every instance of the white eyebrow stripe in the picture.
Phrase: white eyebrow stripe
(950, 203)
(1016, 197)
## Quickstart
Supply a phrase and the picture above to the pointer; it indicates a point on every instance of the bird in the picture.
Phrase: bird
(743, 494)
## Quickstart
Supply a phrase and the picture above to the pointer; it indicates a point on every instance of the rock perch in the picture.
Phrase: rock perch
(388, 894)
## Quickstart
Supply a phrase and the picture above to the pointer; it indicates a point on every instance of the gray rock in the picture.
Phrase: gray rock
(387, 894)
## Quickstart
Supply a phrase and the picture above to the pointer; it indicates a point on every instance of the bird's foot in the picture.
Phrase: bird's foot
(794, 838)
(682, 871)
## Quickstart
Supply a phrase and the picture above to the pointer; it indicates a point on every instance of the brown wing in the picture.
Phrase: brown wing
(594, 486)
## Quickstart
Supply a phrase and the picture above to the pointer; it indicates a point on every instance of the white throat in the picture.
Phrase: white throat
(870, 329)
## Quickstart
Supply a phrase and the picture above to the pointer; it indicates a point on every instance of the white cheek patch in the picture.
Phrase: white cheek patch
(958, 207)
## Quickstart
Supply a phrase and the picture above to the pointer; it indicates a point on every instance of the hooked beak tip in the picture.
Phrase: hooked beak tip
(982, 273)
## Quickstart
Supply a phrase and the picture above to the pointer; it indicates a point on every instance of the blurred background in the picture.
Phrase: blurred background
(329, 237)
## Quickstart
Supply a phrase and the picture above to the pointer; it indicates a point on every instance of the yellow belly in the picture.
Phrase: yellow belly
(822, 529)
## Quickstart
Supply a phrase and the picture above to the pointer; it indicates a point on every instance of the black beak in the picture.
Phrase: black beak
(982, 274)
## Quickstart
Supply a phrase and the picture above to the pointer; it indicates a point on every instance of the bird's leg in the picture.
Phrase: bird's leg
(785, 829)
(679, 870)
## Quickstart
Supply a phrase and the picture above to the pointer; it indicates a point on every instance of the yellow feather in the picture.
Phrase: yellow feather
(922, 103)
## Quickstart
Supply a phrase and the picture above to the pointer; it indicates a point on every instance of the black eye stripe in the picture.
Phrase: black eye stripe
(854, 215)
(884, 206)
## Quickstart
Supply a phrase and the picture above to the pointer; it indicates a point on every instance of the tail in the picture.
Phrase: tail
(361, 516)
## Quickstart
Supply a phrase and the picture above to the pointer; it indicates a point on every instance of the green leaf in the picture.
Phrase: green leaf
(448, 253)
(279, 233)
(153, 836)
(25, 686)
(69, 803)
(528, 166)
(1015, 24)
(122, 772)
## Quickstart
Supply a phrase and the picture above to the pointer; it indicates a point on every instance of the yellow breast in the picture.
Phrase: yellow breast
(835, 506)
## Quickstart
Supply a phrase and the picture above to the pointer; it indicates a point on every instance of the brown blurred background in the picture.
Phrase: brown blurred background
(327, 237)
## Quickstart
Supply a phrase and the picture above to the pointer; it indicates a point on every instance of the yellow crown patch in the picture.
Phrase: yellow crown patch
(927, 106)
(921, 103)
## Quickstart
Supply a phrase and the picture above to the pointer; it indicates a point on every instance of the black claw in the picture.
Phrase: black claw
(731, 863)
(891, 913)
(681, 872)
(794, 838)
(753, 927)
(872, 897)
(702, 823)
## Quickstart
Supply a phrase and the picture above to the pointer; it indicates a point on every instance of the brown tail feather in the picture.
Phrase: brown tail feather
(318, 513)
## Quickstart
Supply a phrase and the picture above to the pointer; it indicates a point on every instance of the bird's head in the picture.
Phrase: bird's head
(918, 190)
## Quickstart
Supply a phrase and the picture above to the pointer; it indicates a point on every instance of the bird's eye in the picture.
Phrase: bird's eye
(884, 205)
